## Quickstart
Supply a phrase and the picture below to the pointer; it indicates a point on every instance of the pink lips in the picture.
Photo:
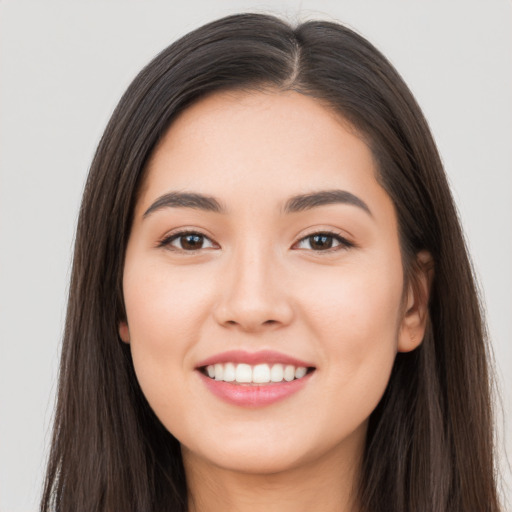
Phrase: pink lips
(252, 358)
(253, 395)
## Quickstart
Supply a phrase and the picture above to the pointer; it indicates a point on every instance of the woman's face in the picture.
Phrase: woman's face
(289, 281)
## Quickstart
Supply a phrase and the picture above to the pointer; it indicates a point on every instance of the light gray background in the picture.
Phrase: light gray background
(65, 64)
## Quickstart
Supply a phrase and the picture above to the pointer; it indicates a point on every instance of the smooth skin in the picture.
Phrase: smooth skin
(258, 279)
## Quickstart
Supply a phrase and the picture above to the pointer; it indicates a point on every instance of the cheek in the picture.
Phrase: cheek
(358, 301)
(164, 312)
(355, 315)
(163, 306)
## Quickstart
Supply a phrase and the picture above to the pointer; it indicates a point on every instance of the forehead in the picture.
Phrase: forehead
(244, 146)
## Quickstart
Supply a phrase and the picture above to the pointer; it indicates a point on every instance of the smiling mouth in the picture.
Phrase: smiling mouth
(259, 374)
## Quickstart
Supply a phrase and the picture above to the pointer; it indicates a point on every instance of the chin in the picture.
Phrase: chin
(250, 459)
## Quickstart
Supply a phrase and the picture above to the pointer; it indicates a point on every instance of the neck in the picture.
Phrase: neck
(328, 484)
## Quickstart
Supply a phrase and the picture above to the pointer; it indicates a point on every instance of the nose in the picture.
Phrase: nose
(252, 297)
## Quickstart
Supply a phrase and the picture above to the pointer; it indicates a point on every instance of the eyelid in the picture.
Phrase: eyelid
(175, 235)
(344, 243)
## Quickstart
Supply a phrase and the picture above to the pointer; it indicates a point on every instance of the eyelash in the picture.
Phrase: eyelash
(343, 242)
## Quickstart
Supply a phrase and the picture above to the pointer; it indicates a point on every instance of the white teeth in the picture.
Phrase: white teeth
(229, 374)
(277, 373)
(243, 373)
(261, 373)
(289, 373)
(300, 372)
(219, 371)
(258, 374)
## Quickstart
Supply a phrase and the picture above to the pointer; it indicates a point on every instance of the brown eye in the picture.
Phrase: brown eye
(191, 242)
(187, 241)
(323, 242)
(320, 242)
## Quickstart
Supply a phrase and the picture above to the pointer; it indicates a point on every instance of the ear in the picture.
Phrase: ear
(415, 316)
(124, 331)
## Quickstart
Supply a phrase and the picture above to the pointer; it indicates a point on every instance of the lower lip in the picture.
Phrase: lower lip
(254, 395)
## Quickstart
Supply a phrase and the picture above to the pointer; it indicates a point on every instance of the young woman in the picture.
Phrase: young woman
(271, 304)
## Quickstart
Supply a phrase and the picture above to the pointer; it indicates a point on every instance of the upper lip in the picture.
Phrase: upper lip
(253, 358)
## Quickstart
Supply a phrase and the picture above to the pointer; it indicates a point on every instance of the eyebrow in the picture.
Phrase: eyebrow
(303, 202)
(186, 200)
(294, 204)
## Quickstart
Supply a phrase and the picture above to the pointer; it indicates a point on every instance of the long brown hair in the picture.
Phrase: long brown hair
(430, 440)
